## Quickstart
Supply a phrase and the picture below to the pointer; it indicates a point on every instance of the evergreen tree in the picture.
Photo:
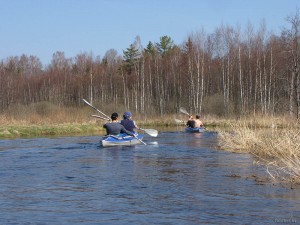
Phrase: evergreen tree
(165, 44)
(150, 49)
(131, 56)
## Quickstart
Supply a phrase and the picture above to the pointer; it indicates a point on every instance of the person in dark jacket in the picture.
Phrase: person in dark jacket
(191, 122)
(115, 128)
(128, 123)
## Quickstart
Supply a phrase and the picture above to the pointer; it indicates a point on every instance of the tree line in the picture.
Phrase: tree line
(227, 72)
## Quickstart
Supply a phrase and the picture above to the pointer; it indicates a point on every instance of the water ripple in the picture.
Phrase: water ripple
(178, 179)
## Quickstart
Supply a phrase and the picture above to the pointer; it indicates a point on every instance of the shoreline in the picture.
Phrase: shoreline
(48, 127)
(13, 131)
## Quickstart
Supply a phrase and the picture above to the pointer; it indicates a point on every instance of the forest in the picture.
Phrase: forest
(230, 72)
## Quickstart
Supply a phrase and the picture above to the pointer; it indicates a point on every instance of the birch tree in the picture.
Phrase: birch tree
(292, 37)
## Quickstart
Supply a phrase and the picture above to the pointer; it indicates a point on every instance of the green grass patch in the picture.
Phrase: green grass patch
(13, 131)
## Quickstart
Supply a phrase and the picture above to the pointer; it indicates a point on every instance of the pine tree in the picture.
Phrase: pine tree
(165, 44)
(131, 56)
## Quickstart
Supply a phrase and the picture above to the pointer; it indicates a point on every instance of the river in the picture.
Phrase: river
(178, 178)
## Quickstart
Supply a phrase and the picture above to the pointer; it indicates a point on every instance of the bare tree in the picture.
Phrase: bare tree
(291, 39)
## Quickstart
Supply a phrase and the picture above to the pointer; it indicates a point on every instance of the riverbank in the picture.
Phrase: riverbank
(79, 124)
(277, 148)
(35, 130)
(30, 122)
(51, 126)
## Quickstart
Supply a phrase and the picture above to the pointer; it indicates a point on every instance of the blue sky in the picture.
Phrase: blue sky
(42, 27)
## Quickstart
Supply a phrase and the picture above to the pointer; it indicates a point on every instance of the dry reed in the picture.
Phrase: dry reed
(276, 148)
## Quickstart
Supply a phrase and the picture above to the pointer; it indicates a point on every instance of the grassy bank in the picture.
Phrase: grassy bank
(80, 123)
(64, 123)
(14, 131)
(277, 147)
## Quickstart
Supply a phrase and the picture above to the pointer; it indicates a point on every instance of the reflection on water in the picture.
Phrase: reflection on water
(178, 178)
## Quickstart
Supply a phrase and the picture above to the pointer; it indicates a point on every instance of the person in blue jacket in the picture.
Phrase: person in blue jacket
(128, 123)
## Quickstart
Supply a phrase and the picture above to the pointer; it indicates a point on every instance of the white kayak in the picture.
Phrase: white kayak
(121, 139)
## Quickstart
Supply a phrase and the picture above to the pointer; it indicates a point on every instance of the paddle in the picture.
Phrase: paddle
(179, 121)
(89, 104)
(151, 132)
(100, 117)
(105, 117)
(183, 110)
(140, 140)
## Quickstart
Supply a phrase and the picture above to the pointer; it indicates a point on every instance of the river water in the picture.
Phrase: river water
(177, 178)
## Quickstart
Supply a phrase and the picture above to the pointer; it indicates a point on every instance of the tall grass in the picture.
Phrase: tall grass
(43, 113)
(44, 118)
(277, 147)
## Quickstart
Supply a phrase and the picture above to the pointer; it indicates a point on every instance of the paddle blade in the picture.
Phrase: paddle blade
(178, 121)
(183, 110)
(86, 102)
(100, 117)
(151, 132)
(89, 104)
